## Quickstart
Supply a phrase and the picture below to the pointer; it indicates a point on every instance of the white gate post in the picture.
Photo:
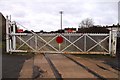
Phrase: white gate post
(10, 37)
(114, 42)
(7, 35)
(14, 38)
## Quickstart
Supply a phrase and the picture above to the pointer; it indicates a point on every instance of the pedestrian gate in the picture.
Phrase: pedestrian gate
(76, 43)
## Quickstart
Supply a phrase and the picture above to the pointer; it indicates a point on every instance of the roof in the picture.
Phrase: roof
(93, 30)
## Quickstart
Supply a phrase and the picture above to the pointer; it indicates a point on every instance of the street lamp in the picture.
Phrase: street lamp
(61, 12)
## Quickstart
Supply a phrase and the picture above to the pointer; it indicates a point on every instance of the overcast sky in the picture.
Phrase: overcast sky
(44, 14)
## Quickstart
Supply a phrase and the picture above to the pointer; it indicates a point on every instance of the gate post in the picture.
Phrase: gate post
(14, 38)
(7, 35)
(114, 42)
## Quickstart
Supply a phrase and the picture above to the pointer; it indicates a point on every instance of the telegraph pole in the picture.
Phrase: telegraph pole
(61, 12)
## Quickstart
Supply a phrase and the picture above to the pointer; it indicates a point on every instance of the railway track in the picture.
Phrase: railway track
(89, 70)
(56, 70)
(63, 66)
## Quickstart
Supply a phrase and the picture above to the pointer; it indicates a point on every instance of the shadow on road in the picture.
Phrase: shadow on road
(12, 64)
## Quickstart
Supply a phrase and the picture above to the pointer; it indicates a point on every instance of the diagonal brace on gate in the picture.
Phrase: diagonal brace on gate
(98, 43)
(26, 42)
(72, 43)
(48, 43)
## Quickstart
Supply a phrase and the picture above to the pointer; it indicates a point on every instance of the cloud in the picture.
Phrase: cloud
(44, 14)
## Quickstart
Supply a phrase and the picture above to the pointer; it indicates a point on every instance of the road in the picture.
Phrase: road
(76, 67)
(39, 66)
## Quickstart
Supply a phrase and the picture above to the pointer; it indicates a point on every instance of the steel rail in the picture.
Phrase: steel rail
(55, 71)
(89, 70)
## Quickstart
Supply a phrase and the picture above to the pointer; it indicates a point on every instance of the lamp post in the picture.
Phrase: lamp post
(61, 12)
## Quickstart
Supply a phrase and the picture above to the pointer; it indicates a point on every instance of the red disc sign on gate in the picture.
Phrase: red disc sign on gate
(59, 39)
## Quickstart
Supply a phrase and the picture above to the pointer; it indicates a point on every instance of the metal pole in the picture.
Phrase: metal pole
(10, 37)
(10, 18)
(59, 47)
(119, 12)
(61, 12)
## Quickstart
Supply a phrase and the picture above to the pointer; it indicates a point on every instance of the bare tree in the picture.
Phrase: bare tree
(86, 23)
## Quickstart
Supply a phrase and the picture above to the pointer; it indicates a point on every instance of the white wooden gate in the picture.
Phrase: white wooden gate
(72, 42)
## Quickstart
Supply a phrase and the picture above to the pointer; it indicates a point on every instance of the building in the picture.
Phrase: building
(70, 30)
(114, 27)
(93, 30)
(2, 32)
(99, 29)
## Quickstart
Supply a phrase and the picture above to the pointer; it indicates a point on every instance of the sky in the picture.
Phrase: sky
(44, 15)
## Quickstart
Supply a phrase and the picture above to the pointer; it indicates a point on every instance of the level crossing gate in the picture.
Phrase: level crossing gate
(76, 43)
